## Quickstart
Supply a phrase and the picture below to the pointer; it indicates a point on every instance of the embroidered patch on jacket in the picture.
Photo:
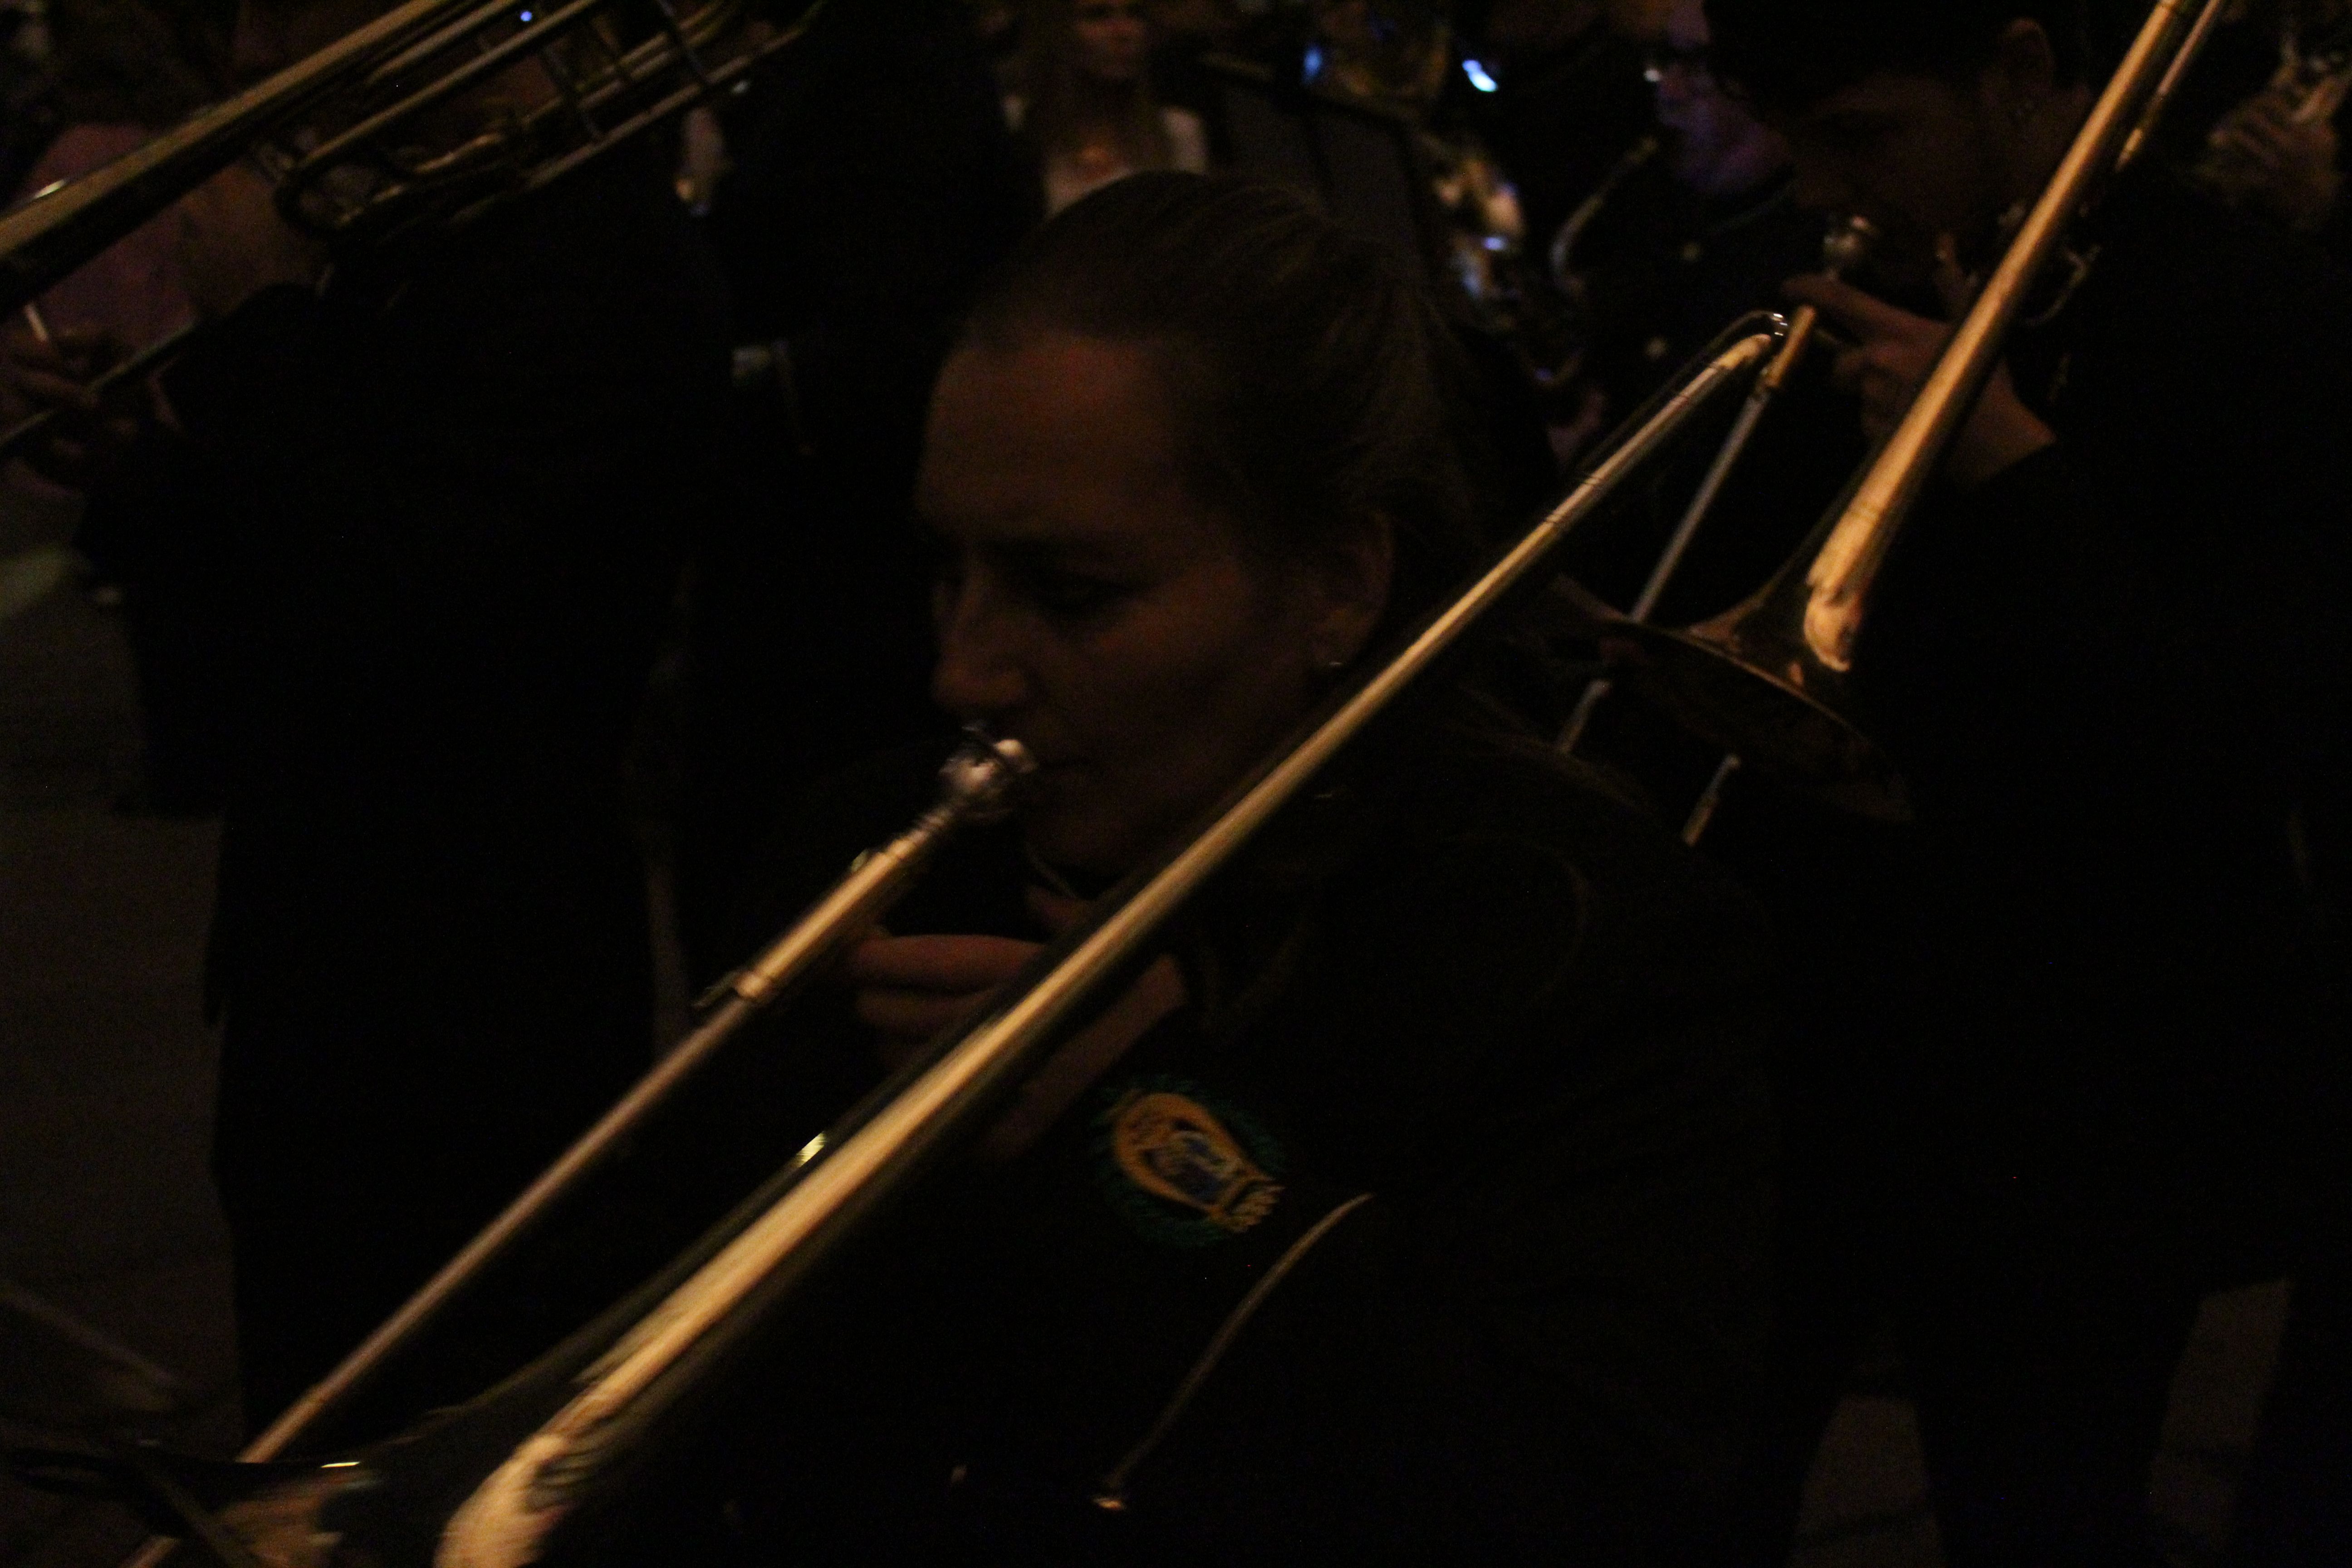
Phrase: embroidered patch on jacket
(1184, 1170)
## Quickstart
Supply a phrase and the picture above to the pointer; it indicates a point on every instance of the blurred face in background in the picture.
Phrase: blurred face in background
(1109, 40)
(1717, 147)
(1922, 156)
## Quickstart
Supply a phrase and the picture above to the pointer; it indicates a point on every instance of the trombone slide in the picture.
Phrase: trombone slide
(973, 785)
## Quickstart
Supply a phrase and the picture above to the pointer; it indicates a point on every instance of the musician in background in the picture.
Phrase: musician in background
(1463, 1042)
(1705, 232)
(2259, 123)
(1186, 32)
(447, 486)
(121, 73)
(1085, 109)
(2060, 1065)
(2280, 153)
(1569, 98)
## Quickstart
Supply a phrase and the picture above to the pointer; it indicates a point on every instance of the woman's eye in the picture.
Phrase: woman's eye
(1073, 593)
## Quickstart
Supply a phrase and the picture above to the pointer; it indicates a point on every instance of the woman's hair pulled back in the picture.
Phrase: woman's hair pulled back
(1317, 385)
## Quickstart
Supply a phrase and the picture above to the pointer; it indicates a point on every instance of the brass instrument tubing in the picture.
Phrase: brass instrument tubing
(1711, 800)
(1848, 241)
(47, 238)
(1839, 581)
(505, 1521)
(466, 29)
(1800, 335)
(488, 62)
(2175, 74)
(974, 787)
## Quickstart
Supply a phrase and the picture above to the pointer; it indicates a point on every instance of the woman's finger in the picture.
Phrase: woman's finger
(2261, 145)
(1157, 992)
(910, 1015)
(1864, 315)
(1057, 912)
(2273, 136)
(2270, 108)
(53, 391)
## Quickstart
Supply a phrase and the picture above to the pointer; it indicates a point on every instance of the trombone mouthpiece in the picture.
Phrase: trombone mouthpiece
(1848, 244)
(978, 781)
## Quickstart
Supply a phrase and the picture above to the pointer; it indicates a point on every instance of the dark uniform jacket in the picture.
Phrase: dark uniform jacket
(448, 486)
(1430, 1228)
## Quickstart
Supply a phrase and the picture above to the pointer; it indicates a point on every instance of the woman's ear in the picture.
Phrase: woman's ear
(1351, 580)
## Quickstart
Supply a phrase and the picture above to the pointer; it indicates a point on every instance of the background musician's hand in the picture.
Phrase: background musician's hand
(2285, 168)
(88, 430)
(1894, 352)
(234, 244)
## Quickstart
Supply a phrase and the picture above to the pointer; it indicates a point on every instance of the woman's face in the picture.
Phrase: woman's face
(1112, 41)
(1091, 608)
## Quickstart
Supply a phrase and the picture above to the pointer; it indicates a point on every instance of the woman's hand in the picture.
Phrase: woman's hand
(1892, 355)
(909, 988)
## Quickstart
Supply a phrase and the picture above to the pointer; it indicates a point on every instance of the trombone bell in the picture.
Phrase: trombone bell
(1753, 681)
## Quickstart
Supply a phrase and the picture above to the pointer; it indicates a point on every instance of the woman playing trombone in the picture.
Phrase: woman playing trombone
(1412, 1200)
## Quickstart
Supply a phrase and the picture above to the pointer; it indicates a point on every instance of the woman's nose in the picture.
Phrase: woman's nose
(979, 675)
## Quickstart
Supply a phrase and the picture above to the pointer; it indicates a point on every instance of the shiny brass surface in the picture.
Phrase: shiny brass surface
(1767, 679)
(65, 225)
(427, 114)
(1845, 246)
(976, 785)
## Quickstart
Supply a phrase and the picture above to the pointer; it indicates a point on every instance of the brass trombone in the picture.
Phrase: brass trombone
(358, 138)
(1845, 246)
(1767, 679)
